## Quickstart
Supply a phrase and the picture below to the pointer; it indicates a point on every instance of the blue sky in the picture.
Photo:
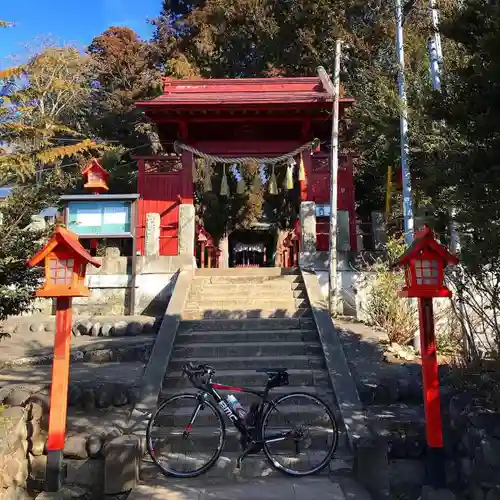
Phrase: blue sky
(69, 21)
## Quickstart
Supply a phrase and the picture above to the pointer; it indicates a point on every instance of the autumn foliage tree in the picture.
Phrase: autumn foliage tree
(123, 73)
(40, 114)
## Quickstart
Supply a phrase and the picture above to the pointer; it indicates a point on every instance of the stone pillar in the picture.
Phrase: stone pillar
(152, 237)
(307, 233)
(379, 230)
(224, 252)
(186, 229)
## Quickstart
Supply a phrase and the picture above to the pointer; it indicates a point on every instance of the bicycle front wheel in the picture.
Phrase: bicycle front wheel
(301, 434)
(185, 436)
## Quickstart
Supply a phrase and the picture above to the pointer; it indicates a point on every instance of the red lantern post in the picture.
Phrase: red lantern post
(424, 263)
(64, 260)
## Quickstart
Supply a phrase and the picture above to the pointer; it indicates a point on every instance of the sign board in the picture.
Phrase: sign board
(94, 218)
(323, 210)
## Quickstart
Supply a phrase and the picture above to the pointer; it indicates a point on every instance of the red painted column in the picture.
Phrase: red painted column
(432, 405)
(59, 395)
(187, 187)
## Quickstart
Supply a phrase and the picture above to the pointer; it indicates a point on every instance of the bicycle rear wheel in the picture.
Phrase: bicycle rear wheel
(185, 436)
(303, 433)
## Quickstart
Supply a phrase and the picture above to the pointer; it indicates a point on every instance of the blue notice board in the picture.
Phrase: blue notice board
(99, 217)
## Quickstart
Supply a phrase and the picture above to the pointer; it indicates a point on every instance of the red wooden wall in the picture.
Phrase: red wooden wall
(163, 184)
(319, 192)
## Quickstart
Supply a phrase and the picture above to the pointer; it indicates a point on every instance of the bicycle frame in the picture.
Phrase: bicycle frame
(210, 388)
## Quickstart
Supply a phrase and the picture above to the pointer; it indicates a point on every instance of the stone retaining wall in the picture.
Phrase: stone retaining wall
(23, 437)
(111, 286)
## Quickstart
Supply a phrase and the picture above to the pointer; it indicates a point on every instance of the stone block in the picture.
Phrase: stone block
(67, 492)
(371, 466)
(76, 447)
(152, 237)
(37, 467)
(121, 464)
(87, 473)
(186, 229)
(308, 226)
(17, 397)
(94, 445)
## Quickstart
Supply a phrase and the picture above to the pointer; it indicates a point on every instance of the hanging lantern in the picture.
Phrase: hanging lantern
(207, 181)
(273, 186)
(288, 182)
(224, 188)
(302, 170)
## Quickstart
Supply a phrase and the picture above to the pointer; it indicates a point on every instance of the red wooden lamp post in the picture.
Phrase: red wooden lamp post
(424, 263)
(95, 177)
(64, 260)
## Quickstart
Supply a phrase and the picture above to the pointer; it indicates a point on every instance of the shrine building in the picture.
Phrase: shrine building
(283, 123)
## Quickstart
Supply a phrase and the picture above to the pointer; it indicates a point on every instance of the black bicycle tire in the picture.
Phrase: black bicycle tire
(330, 454)
(210, 463)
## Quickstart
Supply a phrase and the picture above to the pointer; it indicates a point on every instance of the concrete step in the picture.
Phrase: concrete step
(246, 303)
(250, 378)
(206, 438)
(240, 313)
(263, 488)
(246, 324)
(249, 271)
(255, 279)
(252, 467)
(294, 414)
(247, 399)
(248, 336)
(246, 349)
(252, 363)
(247, 292)
(243, 287)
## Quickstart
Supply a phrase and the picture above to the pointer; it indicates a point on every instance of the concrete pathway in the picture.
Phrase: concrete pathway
(259, 489)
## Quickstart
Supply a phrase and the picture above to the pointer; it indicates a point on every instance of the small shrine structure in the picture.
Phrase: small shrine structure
(261, 118)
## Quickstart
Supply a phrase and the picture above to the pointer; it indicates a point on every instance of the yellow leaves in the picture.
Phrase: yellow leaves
(6, 74)
(57, 153)
(5, 24)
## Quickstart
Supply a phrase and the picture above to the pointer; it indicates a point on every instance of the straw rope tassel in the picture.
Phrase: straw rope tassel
(257, 183)
(224, 188)
(273, 188)
(302, 170)
(207, 181)
(288, 184)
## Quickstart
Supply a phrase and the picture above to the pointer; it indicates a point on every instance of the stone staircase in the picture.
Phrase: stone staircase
(240, 320)
(247, 293)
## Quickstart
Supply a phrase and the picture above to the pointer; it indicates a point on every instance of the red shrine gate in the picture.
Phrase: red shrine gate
(234, 118)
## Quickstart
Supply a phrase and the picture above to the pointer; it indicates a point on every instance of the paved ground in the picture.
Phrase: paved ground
(259, 489)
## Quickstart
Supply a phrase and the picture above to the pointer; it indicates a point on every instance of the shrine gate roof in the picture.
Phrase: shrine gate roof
(242, 93)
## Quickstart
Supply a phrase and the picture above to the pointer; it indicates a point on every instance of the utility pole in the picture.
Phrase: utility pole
(334, 91)
(434, 46)
(403, 120)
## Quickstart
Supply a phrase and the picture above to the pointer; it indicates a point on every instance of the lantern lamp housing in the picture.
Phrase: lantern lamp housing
(64, 261)
(95, 177)
(424, 263)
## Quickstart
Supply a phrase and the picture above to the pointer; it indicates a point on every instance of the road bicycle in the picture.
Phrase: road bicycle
(172, 428)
